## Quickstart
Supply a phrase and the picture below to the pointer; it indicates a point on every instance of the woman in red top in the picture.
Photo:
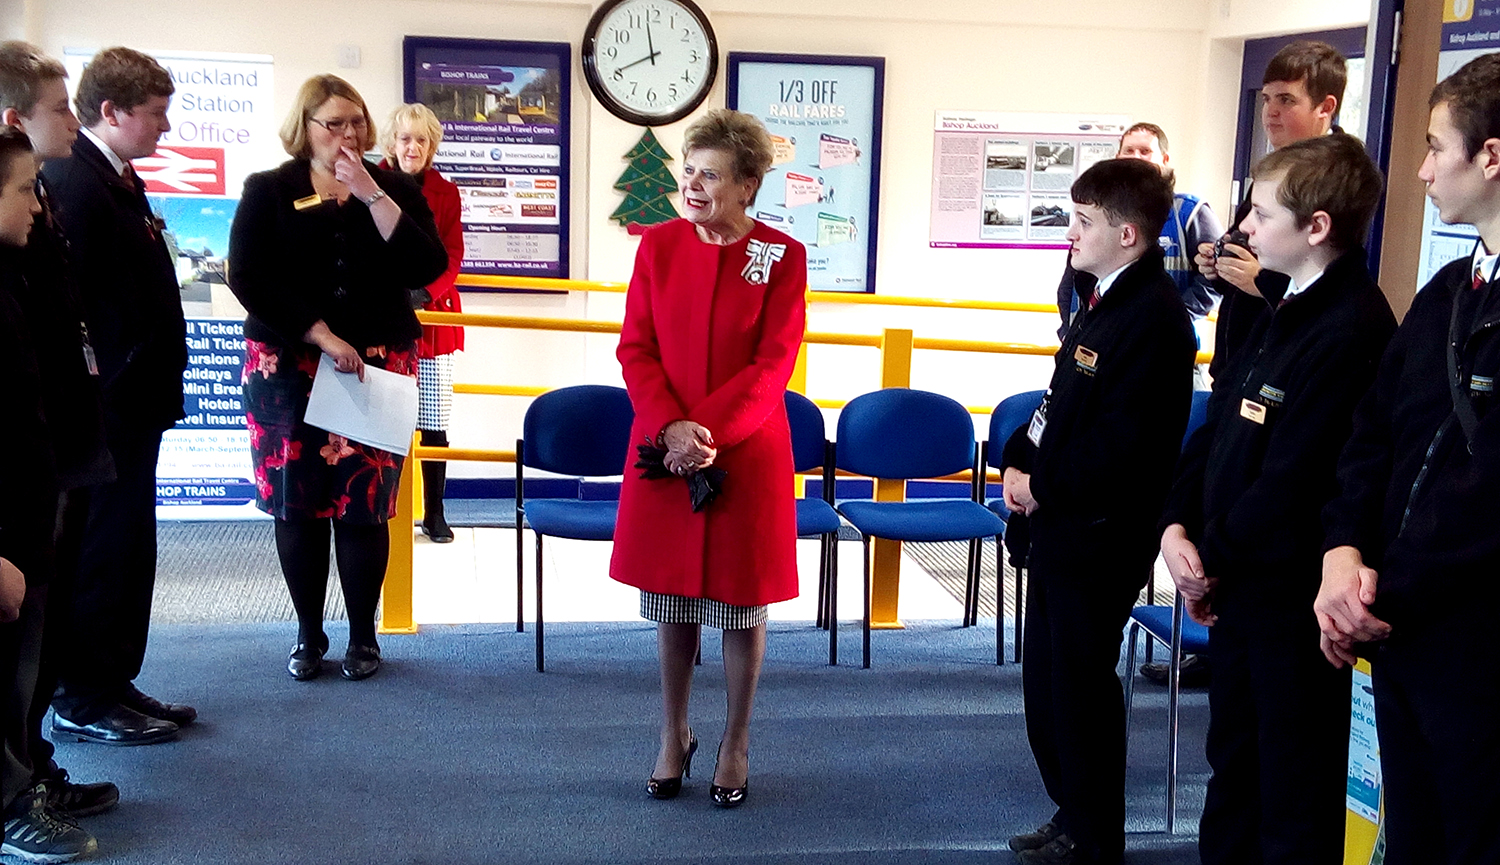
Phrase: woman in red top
(713, 321)
(410, 142)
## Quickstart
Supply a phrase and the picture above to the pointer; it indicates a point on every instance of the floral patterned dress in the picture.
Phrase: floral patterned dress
(302, 472)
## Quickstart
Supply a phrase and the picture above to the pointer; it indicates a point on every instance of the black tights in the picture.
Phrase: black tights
(362, 553)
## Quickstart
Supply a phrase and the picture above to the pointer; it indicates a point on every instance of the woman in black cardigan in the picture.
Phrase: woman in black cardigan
(323, 254)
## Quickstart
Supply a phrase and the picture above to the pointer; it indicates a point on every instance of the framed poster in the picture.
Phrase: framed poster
(505, 109)
(1003, 180)
(825, 116)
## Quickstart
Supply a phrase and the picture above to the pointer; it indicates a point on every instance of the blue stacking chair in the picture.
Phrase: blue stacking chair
(581, 431)
(1171, 627)
(816, 518)
(899, 433)
(1011, 414)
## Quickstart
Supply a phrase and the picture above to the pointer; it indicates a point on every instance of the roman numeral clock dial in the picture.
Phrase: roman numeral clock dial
(650, 62)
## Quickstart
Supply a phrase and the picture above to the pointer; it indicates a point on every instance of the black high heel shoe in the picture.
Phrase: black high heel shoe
(668, 788)
(727, 797)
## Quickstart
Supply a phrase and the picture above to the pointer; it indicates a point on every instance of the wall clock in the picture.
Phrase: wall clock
(650, 62)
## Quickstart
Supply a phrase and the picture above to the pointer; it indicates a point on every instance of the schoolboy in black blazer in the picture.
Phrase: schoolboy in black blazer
(1242, 536)
(1091, 471)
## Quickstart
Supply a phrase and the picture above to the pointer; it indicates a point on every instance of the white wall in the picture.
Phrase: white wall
(1168, 61)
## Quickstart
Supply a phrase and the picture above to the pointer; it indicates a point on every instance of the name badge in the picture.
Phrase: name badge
(1087, 359)
(1038, 425)
(310, 201)
(1252, 411)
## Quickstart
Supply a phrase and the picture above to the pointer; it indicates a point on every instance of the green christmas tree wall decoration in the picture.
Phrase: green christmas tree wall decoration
(647, 182)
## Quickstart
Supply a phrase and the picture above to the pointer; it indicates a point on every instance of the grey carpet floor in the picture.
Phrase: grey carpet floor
(458, 752)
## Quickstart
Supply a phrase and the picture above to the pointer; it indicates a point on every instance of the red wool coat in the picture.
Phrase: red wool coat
(703, 342)
(442, 197)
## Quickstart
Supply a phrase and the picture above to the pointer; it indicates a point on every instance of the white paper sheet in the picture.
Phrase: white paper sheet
(380, 411)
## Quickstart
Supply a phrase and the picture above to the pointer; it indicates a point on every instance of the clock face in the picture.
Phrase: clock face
(650, 62)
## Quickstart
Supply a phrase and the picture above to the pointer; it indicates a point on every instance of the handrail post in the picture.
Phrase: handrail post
(885, 566)
(395, 595)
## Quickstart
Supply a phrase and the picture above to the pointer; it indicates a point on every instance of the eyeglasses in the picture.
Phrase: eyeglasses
(337, 126)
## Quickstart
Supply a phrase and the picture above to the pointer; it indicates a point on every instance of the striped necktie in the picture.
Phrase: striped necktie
(1478, 277)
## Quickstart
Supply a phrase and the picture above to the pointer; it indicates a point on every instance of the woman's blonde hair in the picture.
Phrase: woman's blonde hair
(740, 135)
(310, 96)
(418, 118)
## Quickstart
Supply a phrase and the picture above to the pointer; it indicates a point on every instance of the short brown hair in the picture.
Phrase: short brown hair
(418, 118)
(1331, 173)
(1473, 97)
(1319, 63)
(13, 144)
(1127, 190)
(1161, 135)
(122, 76)
(310, 96)
(740, 135)
(23, 71)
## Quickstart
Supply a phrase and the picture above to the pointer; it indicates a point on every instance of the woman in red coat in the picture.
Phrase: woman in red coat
(410, 142)
(713, 322)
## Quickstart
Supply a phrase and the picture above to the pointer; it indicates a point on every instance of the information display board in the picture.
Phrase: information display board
(1000, 180)
(504, 108)
(824, 115)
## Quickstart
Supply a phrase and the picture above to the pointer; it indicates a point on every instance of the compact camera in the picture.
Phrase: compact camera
(1234, 236)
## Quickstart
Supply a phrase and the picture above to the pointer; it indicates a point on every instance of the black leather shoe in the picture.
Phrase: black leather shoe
(361, 662)
(1035, 840)
(1059, 851)
(79, 800)
(305, 662)
(727, 797)
(177, 713)
(436, 528)
(1194, 673)
(121, 725)
(668, 788)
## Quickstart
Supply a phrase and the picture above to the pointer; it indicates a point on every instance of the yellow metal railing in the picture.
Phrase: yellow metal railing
(896, 346)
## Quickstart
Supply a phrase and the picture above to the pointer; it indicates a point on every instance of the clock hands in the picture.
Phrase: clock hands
(652, 57)
(650, 47)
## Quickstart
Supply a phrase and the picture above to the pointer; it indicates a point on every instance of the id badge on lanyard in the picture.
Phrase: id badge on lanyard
(89, 359)
(1038, 424)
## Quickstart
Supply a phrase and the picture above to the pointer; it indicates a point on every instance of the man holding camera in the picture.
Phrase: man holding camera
(1302, 91)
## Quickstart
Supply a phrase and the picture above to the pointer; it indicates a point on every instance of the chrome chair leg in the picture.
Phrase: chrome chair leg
(1174, 689)
(833, 600)
(999, 602)
(1135, 631)
(540, 663)
(822, 580)
(1020, 612)
(866, 539)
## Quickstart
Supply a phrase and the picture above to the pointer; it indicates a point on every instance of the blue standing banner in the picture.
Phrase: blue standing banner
(825, 116)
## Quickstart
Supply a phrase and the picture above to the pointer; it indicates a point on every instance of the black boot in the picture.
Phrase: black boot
(434, 479)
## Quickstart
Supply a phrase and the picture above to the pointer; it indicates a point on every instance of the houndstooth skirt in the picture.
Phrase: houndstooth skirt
(435, 392)
(676, 609)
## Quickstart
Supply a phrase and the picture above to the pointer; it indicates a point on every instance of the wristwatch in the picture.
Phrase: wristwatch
(376, 196)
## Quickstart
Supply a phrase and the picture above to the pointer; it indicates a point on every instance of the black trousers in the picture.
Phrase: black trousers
(72, 521)
(104, 628)
(1278, 734)
(20, 649)
(1436, 711)
(1076, 611)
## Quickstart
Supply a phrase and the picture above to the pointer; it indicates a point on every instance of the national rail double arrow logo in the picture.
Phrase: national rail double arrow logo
(183, 170)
